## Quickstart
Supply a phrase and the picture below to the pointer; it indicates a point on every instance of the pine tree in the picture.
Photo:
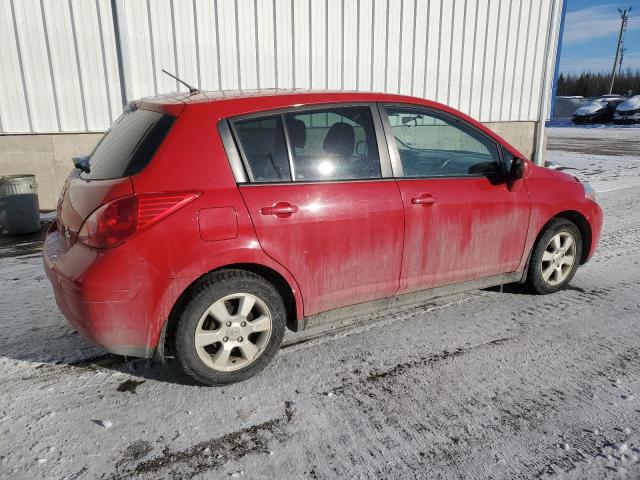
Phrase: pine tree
(592, 84)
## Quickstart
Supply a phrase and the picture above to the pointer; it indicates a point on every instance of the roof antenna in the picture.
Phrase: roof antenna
(191, 88)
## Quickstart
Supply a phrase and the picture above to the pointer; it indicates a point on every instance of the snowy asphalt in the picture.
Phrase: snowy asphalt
(488, 384)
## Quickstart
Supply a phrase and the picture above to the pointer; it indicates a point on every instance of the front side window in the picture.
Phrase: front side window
(337, 143)
(433, 145)
(265, 149)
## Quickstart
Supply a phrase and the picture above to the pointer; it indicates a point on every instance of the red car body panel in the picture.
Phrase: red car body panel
(116, 310)
(474, 228)
(554, 193)
(317, 245)
(349, 242)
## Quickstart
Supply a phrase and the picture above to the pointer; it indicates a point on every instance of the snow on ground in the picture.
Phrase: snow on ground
(608, 158)
(488, 384)
(596, 139)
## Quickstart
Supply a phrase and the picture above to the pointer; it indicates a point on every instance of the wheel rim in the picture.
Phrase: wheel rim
(233, 332)
(558, 258)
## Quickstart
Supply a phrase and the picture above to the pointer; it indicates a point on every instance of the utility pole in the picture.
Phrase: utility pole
(624, 17)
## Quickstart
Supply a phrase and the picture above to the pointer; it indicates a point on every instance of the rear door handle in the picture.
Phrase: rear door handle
(280, 210)
(424, 199)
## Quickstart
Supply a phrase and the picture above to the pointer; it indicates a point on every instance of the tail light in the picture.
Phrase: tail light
(118, 220)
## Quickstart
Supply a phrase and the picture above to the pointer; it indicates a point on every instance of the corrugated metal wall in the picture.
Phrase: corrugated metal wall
(59, 70)
(58, 67)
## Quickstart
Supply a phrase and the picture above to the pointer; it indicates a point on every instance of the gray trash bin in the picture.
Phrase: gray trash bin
(19, 209)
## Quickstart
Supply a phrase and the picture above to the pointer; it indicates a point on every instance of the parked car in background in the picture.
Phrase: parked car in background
(204, 225)
(564, 106)
(609, 96)
(599, 110)
(628, 111)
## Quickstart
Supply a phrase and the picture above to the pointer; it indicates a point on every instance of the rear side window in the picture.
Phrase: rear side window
(128, 145)
(336, 143)
(330, 143)
(264, 148)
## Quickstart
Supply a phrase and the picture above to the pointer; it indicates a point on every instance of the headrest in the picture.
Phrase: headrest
(340, 140)
(297, 132)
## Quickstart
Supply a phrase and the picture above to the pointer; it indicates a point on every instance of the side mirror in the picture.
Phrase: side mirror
(361, 148)
(517, 169)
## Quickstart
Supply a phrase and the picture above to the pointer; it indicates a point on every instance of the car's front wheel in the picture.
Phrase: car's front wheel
(555, 257)
(231, 326)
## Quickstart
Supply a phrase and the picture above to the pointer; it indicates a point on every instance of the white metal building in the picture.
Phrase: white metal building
(67, 66)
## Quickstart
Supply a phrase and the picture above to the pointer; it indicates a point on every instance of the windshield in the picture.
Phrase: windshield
(128, 146)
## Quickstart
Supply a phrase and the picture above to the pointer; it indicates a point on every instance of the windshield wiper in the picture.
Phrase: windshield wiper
(82, 163)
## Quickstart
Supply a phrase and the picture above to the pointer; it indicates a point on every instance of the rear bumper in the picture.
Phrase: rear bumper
(109, 301)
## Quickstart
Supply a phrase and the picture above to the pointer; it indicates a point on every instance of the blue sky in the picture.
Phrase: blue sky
(591, 34)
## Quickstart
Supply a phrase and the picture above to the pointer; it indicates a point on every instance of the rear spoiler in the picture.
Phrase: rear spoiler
(168, 105)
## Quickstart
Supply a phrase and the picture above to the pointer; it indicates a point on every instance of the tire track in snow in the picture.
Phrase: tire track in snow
(206, 455)
(378, 377)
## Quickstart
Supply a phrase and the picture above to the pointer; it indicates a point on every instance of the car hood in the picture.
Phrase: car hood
(631, 104)
(589, 109)
(556, 173)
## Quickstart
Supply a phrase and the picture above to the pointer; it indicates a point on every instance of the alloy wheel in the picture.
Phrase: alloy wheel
(558, 258)
(233, 332)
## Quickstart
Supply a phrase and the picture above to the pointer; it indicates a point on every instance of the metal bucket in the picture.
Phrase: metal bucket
(19, 209)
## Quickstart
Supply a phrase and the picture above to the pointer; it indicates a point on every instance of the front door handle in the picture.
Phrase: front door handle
(425, 199)
(280, 210)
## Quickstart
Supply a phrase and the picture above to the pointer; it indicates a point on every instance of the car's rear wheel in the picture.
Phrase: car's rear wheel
(231, 326)
(555, 257)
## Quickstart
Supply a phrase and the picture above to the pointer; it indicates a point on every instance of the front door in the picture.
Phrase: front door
(320, 204)
(463, 220)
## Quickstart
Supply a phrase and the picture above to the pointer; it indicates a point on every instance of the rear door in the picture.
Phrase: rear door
(463, 220)
(323, 203)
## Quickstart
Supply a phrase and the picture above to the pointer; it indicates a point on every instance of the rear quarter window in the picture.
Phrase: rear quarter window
(128, 145)
(265, 148)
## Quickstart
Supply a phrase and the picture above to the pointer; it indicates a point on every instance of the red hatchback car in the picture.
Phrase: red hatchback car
(203, 225)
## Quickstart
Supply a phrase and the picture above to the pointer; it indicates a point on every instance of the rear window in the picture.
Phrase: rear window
(128, 145)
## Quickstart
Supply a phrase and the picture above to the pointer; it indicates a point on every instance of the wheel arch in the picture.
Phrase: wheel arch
(580, 221)
(583, 225)
(285, 290)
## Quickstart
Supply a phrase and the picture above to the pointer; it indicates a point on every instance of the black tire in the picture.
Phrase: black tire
(535, 280)
(210, 289)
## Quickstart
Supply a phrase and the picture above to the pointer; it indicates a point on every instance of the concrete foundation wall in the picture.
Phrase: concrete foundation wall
(521, 135)
(48, 156)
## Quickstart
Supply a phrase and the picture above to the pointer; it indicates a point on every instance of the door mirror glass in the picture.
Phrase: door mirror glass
(517, 168)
